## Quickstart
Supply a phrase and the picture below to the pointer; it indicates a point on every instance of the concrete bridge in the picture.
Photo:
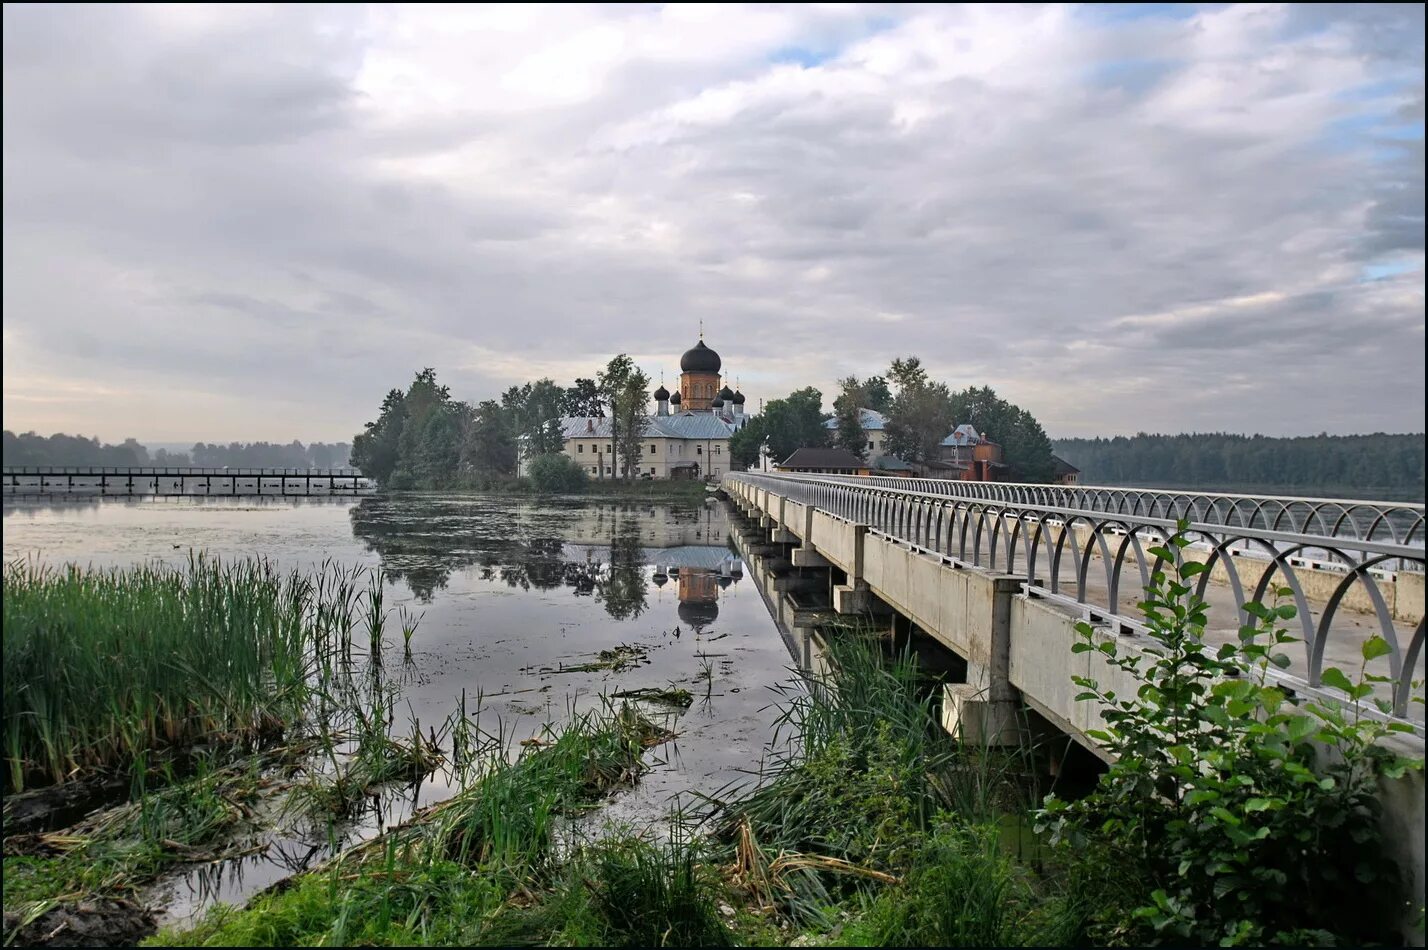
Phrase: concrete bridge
(1000, 575)
(161, 481)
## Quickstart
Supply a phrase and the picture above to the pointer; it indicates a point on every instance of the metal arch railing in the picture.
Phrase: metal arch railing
(1039, 541)
(1400, 522)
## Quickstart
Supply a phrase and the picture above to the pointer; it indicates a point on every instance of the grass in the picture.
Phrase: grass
(113, 853)
(442, 878)
(104, 668)
(624, 891)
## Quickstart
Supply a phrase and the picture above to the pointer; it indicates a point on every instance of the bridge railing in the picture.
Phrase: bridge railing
(1402, 522)
(186, 471)
(1040, 541)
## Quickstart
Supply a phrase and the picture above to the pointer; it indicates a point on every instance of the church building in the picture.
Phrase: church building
(688, 435)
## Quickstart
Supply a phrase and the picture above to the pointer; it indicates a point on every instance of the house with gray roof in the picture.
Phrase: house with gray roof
(874, 425)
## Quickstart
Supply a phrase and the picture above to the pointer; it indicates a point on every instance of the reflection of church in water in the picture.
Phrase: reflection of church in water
(699, 573)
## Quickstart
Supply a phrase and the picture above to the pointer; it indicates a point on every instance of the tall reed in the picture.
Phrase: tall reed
(103, 667)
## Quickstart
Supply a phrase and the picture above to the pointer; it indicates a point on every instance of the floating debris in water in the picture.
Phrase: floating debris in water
(669, 696)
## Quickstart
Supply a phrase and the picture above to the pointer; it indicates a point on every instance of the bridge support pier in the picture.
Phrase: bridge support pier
(986, 709)
(808, 557)
(972, 718)
(854, 597)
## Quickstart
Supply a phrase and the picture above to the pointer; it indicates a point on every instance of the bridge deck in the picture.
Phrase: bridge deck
(1346, 588)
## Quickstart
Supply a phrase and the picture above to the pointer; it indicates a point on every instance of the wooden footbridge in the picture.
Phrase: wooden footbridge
(199, 482)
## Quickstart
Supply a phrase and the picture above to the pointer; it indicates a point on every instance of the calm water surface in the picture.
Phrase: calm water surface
(509, 591)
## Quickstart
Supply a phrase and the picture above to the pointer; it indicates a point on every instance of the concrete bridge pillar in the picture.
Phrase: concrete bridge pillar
(854, 597)
(807, 555)
(986, 709)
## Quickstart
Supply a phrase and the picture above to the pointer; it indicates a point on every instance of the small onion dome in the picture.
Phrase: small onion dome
(661, 394)
(674, 399)
(738, 399)
(726, 394)
(717, 403)
(700, 359)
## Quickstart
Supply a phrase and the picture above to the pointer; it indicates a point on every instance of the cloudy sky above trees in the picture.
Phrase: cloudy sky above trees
(239, 222)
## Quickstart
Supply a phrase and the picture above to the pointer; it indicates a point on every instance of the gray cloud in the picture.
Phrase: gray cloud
(1184, 221)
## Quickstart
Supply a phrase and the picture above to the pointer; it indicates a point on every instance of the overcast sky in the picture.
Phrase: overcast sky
(238, 222)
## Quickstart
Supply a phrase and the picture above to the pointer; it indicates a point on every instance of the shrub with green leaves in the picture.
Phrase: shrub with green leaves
(1248, 815)
(557, 474)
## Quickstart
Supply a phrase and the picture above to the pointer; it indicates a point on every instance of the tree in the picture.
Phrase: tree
(536, 409)
(489, 446)
(878, 396)
(1025, 447)
(921, 414)
(583, 399)
(848, 410)
(557, 473)
(794, 422)
(747, 444)
(375, 450)
(625, 389)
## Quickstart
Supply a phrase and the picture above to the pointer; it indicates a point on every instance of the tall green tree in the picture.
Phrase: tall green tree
(878, 395)
(625, 388)
(535, 410)
(489, 444)
(375, 450)
(921, 414)
(583, 399)
(1025, 447)
(794, 422)
(746, 446)
(848, 410)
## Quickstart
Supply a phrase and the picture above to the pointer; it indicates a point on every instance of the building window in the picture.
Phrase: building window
(870, 444)
(718, 450)
(594, 470)
(580, 447)
(651, 467)
(652, 450)
(699, 450)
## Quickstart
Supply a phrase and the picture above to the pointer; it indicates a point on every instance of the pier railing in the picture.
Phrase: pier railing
(1086, 547)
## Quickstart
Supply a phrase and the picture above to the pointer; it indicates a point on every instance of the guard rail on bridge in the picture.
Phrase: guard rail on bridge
(1040, 532)
(1325, 517)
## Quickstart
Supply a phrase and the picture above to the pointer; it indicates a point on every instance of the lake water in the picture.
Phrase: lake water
(510, 592)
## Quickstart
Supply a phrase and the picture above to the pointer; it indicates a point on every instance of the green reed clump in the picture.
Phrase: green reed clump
(963, 889)
(511, 821)
(103, 667)
(863, 770)
(443, 878)
(623, 891)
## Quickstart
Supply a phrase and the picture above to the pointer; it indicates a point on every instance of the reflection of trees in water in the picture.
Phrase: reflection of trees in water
(624, 588)
(421, 542)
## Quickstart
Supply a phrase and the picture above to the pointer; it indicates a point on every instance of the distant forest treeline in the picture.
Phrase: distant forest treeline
(31, 448)
(1217, 460)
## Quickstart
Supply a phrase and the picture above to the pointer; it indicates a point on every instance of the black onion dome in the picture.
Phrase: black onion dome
(738, 399)
(674, 399)
(661, 394)
(726, 394)
(717, 403)
(700, 359)
(698, 615)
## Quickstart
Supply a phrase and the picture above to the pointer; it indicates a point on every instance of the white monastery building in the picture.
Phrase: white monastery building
(687, 437)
